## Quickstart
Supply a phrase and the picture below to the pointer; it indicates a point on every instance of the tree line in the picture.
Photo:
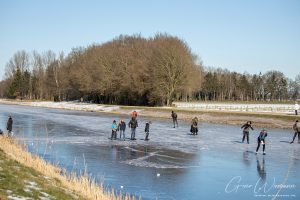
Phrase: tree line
(132, 70)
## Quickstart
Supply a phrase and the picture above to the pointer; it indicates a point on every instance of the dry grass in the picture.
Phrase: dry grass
(81, 185)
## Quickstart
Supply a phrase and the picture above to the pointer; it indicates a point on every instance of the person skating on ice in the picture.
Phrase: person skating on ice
(261, 141)
(296, 128)
(174, 117)
(246, 128)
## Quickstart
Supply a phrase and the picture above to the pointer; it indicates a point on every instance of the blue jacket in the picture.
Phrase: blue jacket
(114, 126)
(122, 126)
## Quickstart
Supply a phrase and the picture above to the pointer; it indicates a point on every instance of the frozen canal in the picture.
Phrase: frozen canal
(172, 165)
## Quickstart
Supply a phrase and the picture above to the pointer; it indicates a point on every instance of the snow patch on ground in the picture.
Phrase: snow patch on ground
(243, 107)
(8, 191)
(45, 196)
(74, 106)
(31, 186)
(13, 197)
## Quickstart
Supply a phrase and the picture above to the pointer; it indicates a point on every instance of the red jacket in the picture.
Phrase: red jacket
(134, 114)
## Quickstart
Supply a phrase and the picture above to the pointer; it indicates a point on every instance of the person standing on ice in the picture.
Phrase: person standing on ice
(114, 128)
(246, 128)
(296, 128)
(133, 124)
(147, 130)
(121, 128)
(9, 126)
(134, 114)
(296, 108)
(261, 140)
(194, 126)
(174, 117)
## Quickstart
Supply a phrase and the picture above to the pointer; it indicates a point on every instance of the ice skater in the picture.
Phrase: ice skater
(261, 140)
(296, 128)
(246, 128)
(147, 130)
(194, 126)
(134, 114)
(121, 128)
(114, 128)
(296, 108)
(174, 117)
(9, 126)
(133, 124)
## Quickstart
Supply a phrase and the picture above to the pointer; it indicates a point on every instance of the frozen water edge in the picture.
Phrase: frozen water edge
(190, 167)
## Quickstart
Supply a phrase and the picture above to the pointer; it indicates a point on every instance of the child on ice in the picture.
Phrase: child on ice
(261, 140)
(114, 128)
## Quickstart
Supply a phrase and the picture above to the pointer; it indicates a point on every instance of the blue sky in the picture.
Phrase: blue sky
(240, 35)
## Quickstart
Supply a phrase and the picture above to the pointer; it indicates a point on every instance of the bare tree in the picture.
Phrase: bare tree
(170, 68)
(20, 60)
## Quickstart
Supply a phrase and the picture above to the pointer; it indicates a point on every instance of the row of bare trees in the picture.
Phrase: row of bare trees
(132, 70)
(221, 85)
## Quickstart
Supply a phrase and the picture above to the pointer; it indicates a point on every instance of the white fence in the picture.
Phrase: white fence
(275, 108)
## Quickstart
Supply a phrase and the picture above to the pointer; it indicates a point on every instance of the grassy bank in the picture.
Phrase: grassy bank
(26, 176)
(19, 181)
(218, 113)
(271, 120)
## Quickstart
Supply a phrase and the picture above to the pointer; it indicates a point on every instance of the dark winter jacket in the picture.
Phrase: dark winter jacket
(122, 126)
(9, 124)
(147, 127)
(262, 135)
(195, 124)
(133, 123)
(174, 115)
(247, 127)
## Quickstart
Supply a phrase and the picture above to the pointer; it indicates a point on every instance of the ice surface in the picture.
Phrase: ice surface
(213, 165)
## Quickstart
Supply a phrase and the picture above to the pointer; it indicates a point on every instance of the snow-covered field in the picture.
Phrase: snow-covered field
(74, 106)
(65, 105)
(241, 107)
(235, 107)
